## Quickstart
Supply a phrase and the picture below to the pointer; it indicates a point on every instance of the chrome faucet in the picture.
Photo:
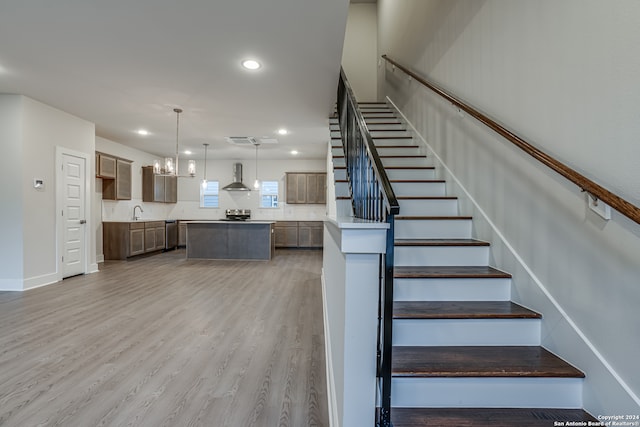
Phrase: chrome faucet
(135, 218)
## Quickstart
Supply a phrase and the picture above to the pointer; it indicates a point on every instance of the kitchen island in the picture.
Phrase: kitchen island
(230, 240)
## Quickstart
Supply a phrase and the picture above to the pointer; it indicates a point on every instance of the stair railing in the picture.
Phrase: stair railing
(595, 191)
(372, 199)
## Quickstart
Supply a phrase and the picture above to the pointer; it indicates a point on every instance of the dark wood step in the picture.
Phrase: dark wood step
(385, 130)
(410, 167)
(432, 218)
(461, 310)
(400, 181)
(426, 197)
(485, 417)
(480, 361)
(440, 242)
(384, 146)
(391, 137)
(410, 156)
(454, 272)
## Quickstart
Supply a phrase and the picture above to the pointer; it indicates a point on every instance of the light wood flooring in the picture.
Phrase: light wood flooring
(165, 341)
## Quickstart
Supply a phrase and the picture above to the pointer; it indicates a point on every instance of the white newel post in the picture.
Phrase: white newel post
(350, 280)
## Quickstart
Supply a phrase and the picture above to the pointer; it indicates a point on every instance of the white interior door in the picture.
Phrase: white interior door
(73, 215)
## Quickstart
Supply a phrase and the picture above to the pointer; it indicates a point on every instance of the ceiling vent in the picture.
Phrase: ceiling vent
(241, 140)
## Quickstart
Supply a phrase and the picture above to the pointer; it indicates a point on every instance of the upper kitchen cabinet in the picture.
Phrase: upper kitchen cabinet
(306, 187)
(116, 176)
(158, 188)
(105, 166)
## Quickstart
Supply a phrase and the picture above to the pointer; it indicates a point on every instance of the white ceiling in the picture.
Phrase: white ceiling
(124, 65)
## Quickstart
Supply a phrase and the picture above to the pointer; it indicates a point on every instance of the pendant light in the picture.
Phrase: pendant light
(256, 183)
(204, 179)
(171, 163)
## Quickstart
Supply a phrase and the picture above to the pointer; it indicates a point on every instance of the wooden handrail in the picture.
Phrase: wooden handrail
(596, 191)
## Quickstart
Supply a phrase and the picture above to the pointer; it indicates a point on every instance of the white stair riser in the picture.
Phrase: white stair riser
(338, 161)
(452, 289)
(432, 229)
(460, 332)
(487, 392)
(400, 151)
(411, 173)
(430, 189)
(340, 174)
(406, 161)
(394, 142)
(441, 256)
(384, 134)
(381, 109)
(429, 207)
(386, 126)
(371, 120)
(342, 189)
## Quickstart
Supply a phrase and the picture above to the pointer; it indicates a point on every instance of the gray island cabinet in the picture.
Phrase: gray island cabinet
(230, 240)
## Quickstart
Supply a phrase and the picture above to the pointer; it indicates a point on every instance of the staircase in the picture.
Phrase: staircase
(463, 353)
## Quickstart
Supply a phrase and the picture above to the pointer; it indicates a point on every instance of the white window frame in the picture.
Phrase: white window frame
(272, 194)
(204, 193)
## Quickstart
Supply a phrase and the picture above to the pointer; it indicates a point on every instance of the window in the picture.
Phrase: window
(209, 195)
(269, 194)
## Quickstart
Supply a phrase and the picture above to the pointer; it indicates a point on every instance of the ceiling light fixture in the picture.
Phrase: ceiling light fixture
(294, 152)
(204, 179)
(251, 64)
(142, 132)
(283, 131)
(170, 163)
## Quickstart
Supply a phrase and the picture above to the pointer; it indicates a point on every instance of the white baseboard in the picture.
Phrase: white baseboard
(39, 281)
(100, 258)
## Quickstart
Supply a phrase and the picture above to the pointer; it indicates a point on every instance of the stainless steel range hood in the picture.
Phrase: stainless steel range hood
(237, 184)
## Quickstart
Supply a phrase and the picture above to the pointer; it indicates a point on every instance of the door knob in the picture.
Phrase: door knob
(83, 221)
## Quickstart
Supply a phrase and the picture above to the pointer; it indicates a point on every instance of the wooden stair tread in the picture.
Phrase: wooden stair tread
(483, 417)
(390, 137)
(401, 181)
(454, 272)
(461, 310)
(480, 361)
(432, 218)
(426, 198)
(410, 167)
(440, 242)
(383, 146)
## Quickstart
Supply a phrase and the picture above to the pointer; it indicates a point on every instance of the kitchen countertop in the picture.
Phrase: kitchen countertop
(221, 221)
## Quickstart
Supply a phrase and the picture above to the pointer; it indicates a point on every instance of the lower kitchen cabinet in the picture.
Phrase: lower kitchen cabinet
(121, 240)
(298, 234)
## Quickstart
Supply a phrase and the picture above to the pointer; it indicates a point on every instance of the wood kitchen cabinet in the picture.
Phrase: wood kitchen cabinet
(286, 234)
(116, 176)
(298, 234)
(105, 166)
(158, 188)
(122, 240)
(310, 234)
(306, 187)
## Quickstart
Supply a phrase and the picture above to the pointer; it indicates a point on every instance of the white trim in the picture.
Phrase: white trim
(40, 281)
(332, 403)
(533, 277)
(99, 259)
(60, 151)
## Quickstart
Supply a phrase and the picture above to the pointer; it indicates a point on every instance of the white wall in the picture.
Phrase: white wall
(31, 154)
(359, 54)
(11, 205)
(564, 76)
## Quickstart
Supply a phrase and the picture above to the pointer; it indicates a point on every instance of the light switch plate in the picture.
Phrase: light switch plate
(38, 183)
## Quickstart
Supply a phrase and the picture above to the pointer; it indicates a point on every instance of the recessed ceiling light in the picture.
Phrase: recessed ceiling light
(251, 64)
(294, 152)
(187, 152)
(283, 131)
(142, 132)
